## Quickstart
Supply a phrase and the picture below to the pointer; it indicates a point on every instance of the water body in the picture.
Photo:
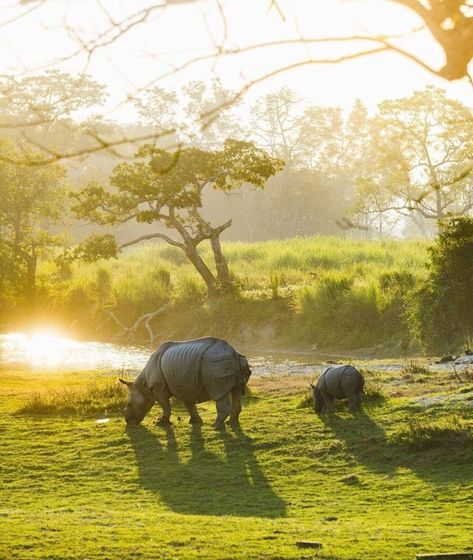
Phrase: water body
(47, 351)
(50, 352)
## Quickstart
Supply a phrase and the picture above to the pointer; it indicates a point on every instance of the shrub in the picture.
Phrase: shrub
(443, 306)
(342, 311)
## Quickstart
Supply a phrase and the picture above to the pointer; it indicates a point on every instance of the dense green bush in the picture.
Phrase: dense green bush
(443, 305)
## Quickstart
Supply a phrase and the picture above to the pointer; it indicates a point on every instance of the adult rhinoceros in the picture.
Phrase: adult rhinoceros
(340, 382)
(193, 371)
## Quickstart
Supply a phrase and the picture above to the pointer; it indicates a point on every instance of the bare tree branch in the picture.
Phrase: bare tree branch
(153, 236)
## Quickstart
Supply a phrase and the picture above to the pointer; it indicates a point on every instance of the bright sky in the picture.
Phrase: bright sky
(176, 34)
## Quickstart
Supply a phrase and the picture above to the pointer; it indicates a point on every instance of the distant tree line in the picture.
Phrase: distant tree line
(290, 169)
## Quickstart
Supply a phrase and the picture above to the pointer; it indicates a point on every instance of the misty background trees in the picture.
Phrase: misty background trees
(402, 170)
(396, 171)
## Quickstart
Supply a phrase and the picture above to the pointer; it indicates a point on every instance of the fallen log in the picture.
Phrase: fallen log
(130, 332)
(309, 544)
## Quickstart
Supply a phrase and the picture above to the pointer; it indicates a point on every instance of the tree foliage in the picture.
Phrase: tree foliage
(177, 115)
(32, 201)
(44, 98)
(418, 161)
(444, 313)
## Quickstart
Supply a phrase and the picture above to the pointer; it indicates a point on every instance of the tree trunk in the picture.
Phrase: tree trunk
(419, 222)
(202, 268)
(438, 204)
(223, 273)
(31, 265)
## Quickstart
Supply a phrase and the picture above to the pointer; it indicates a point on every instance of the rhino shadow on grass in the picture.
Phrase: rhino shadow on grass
(367, 441)
(205, 483)
(364, 439)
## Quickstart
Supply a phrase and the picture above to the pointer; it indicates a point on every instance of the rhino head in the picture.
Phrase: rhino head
(138, 405)
(245, 372)
(317, 398)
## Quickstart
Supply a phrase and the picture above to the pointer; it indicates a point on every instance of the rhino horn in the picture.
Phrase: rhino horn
(128, 383)
(313, 386)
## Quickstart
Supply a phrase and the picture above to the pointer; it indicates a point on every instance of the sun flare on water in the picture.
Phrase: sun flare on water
(53, 349)
(48, 346)
(44, 347)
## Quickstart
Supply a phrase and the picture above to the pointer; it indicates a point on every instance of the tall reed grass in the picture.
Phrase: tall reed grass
(325, 291)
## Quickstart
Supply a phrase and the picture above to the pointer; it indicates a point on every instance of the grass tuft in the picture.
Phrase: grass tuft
(93, 398)
(325, 292)
(373, 392)
(414, 368)
(306, 401)
(424, 433)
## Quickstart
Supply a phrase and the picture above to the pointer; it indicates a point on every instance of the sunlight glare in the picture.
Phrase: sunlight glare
(48, 347)
(51, 349)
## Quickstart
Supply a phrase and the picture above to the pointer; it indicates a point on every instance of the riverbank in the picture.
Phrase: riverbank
(388, 483)
(335, 295)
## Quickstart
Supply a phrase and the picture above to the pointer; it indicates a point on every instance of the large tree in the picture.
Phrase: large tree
(420, 157)
(176, 115)
(331, 142)
(40, 109)
(42, 99)
(276, 124)
(166, 189)
(32, 201)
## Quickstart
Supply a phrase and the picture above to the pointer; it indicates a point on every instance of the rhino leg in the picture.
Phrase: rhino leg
(164, 403)
(319, 402)
(223, 410)
(236, 406)
(194, 415)
(354, 401)
(328, 403)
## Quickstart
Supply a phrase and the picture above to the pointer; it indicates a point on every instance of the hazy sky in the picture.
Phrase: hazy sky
(174, 35)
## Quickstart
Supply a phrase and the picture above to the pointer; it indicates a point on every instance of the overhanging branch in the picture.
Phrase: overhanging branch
(153, 236)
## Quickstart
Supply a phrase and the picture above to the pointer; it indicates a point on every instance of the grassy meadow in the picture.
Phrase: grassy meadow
(323, 292)
(390, 482)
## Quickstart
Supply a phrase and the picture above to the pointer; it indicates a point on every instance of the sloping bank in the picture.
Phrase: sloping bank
(329, 293)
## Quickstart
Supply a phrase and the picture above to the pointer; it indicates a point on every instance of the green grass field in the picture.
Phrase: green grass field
(390, 482)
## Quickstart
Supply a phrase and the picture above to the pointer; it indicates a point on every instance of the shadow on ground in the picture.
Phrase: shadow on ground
(206, 483)
(367, 441)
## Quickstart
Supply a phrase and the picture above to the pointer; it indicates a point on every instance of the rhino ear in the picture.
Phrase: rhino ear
(128, 383)
(313, 386)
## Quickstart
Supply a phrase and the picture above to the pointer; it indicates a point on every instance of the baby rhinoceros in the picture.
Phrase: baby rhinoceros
(338, 382)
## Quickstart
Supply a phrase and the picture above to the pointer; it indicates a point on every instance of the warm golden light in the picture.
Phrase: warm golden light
(51, 349)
